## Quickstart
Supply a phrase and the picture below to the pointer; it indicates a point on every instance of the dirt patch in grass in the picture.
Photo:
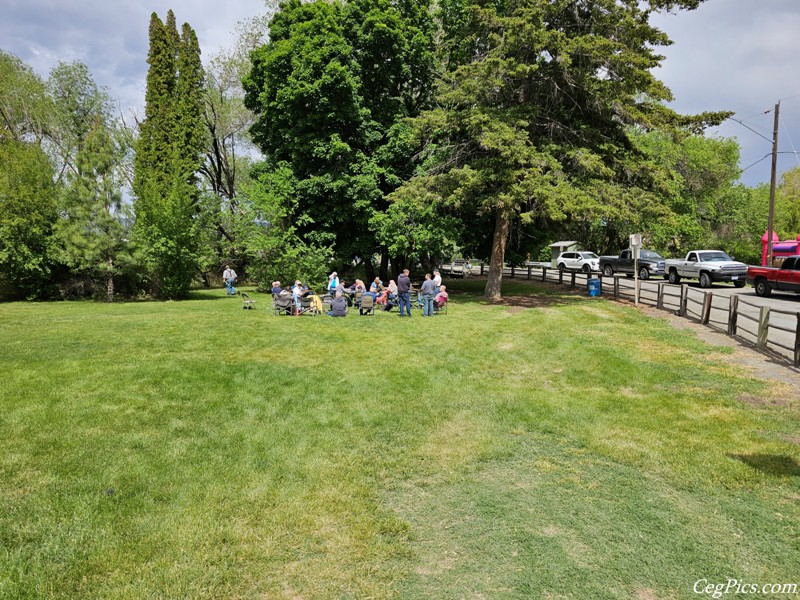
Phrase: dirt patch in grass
(756, 401)
(793, 439)
(518, 303)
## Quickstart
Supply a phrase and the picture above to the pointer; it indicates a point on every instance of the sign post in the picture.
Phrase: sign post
(635, 240)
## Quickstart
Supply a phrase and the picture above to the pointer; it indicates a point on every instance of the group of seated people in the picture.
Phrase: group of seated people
(298, 292)
(385, 296)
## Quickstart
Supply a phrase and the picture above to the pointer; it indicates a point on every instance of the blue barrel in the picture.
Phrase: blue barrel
(594, 287)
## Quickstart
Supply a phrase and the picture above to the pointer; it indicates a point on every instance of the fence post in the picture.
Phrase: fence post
(616, 286)
(709, 297)
(529, 271)
(684, 300)
(481, 267)
(544, 273)
(560, 276)
(660, 301)
(763, 327)
(572, 279)
(733, 315)
(797, 343)
(512, 271)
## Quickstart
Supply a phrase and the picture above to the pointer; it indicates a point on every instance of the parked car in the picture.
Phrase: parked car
(785, 278)
(578, 261)
(708, 266)
(650, 264)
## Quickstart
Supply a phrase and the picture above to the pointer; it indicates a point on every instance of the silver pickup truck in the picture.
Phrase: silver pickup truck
(708, 266)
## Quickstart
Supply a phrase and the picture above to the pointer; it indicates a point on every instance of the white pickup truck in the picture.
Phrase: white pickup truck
(708, 266)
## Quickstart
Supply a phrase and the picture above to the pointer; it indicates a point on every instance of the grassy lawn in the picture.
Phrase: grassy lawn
(573, 449)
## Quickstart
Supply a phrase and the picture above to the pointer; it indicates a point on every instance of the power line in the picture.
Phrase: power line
(758, 161)
(751, 129)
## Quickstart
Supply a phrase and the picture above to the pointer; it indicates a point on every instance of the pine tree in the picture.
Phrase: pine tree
(92, 239)
(168, 157)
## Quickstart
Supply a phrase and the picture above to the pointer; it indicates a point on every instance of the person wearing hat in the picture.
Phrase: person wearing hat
(297, 291)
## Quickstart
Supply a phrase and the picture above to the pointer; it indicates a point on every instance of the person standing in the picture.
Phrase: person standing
(229, 277)
(437, 278)
(428, 291)
(333, 283)
(403, 292)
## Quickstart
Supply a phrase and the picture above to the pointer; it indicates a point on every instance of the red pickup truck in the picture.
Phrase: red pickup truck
(783, 279)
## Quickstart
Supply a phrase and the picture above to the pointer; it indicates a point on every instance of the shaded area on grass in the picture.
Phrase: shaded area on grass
(778, 465)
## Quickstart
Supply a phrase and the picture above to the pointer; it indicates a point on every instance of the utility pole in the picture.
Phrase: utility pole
(771, 225)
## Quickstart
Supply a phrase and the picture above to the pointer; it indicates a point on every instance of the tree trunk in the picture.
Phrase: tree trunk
(398, 264)
(384, 270)
(369, 272)
(502, 227)
(110, 281)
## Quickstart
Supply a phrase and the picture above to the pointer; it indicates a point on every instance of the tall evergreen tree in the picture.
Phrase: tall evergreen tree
(168, 157)
(534, 113)
(92, 238)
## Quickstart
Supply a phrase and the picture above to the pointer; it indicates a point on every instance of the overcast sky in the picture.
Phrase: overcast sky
(734, 55)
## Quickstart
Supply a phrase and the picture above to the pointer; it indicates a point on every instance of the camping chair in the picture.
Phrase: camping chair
(326, 302)
(440, 308)
(367, 305)
(282, 305)
(308, 306)
(415, 299)
(247, 302)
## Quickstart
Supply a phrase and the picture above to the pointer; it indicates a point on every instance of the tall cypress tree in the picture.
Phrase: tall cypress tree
(168, 157)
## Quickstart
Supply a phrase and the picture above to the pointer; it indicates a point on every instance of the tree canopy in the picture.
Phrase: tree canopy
(535, 113)
(331, 90)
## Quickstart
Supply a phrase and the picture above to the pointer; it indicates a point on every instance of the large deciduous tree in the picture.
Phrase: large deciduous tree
(27, 190)
(169, 156)
(534, 114)
(331, 91)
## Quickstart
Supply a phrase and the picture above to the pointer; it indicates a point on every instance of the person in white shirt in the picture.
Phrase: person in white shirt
(229, 277)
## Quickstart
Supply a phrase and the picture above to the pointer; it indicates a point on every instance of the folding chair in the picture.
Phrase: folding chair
(326, 302)
(247, 302)
(367, 305)
(308, 306)
(440, 308)
(282, 305)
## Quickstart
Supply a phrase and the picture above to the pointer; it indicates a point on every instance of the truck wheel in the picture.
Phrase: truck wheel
(762, 288)
(705, 280)
(673, 277)
(739, 284)
(586, 269)
(644, 273)
(608, 271)
(562, 267)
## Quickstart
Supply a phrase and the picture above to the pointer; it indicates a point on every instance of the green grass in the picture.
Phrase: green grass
(576, 449)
